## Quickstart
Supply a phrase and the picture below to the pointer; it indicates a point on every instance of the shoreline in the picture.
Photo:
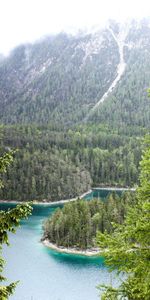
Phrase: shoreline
(36, 202)
(75, 251)
(114, 189)
(40, 202)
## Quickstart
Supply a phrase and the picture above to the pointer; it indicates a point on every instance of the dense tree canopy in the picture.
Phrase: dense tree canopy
(53, 85)
(77, 223)
(55, 164)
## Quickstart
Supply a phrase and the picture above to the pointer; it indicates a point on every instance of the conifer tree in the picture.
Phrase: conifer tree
(127, 249)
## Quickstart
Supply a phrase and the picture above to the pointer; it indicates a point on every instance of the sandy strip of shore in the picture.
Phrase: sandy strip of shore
(36, 202)
(88, 252)
(46, 202)
(39, 202)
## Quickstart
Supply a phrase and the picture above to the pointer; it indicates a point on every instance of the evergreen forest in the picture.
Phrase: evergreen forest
(48, 93)
(54, 164)
(77, 223)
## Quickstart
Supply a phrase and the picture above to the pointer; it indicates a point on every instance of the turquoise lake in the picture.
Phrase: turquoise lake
(45, 274)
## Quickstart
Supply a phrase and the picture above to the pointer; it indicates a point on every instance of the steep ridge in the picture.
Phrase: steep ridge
(57, 79)
(120, 41)
(127, 107)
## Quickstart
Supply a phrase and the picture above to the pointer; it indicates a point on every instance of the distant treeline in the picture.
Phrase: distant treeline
(55, 164)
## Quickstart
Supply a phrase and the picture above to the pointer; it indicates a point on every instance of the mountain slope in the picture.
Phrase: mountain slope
(76, 108)
(128, 104)
(65, 79)
(57, 79)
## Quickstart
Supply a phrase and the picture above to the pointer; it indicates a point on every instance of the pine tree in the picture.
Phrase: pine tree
(128, 247)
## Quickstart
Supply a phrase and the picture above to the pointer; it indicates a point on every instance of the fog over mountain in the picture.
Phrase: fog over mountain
(28, 20)
(64, 78)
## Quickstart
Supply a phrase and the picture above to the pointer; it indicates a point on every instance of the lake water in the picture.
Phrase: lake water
(45, 274)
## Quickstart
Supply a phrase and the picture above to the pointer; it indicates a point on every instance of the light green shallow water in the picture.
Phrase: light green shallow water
(45, 274)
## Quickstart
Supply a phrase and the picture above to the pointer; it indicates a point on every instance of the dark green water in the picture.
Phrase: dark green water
(101, 193)
(45, 274)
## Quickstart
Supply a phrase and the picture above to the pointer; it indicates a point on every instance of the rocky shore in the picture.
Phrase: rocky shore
(87, 252)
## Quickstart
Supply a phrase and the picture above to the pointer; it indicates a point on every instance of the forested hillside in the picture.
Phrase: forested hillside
(49, 92)
(53, 164)
(60, 78)
(128, 106)
(57, 79)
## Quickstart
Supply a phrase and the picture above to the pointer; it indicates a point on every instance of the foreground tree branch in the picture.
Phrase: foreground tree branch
(9, 221)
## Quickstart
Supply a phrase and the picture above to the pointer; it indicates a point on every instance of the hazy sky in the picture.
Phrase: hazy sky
(27, 20)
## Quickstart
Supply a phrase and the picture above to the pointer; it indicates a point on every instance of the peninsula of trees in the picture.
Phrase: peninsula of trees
(77, 223)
